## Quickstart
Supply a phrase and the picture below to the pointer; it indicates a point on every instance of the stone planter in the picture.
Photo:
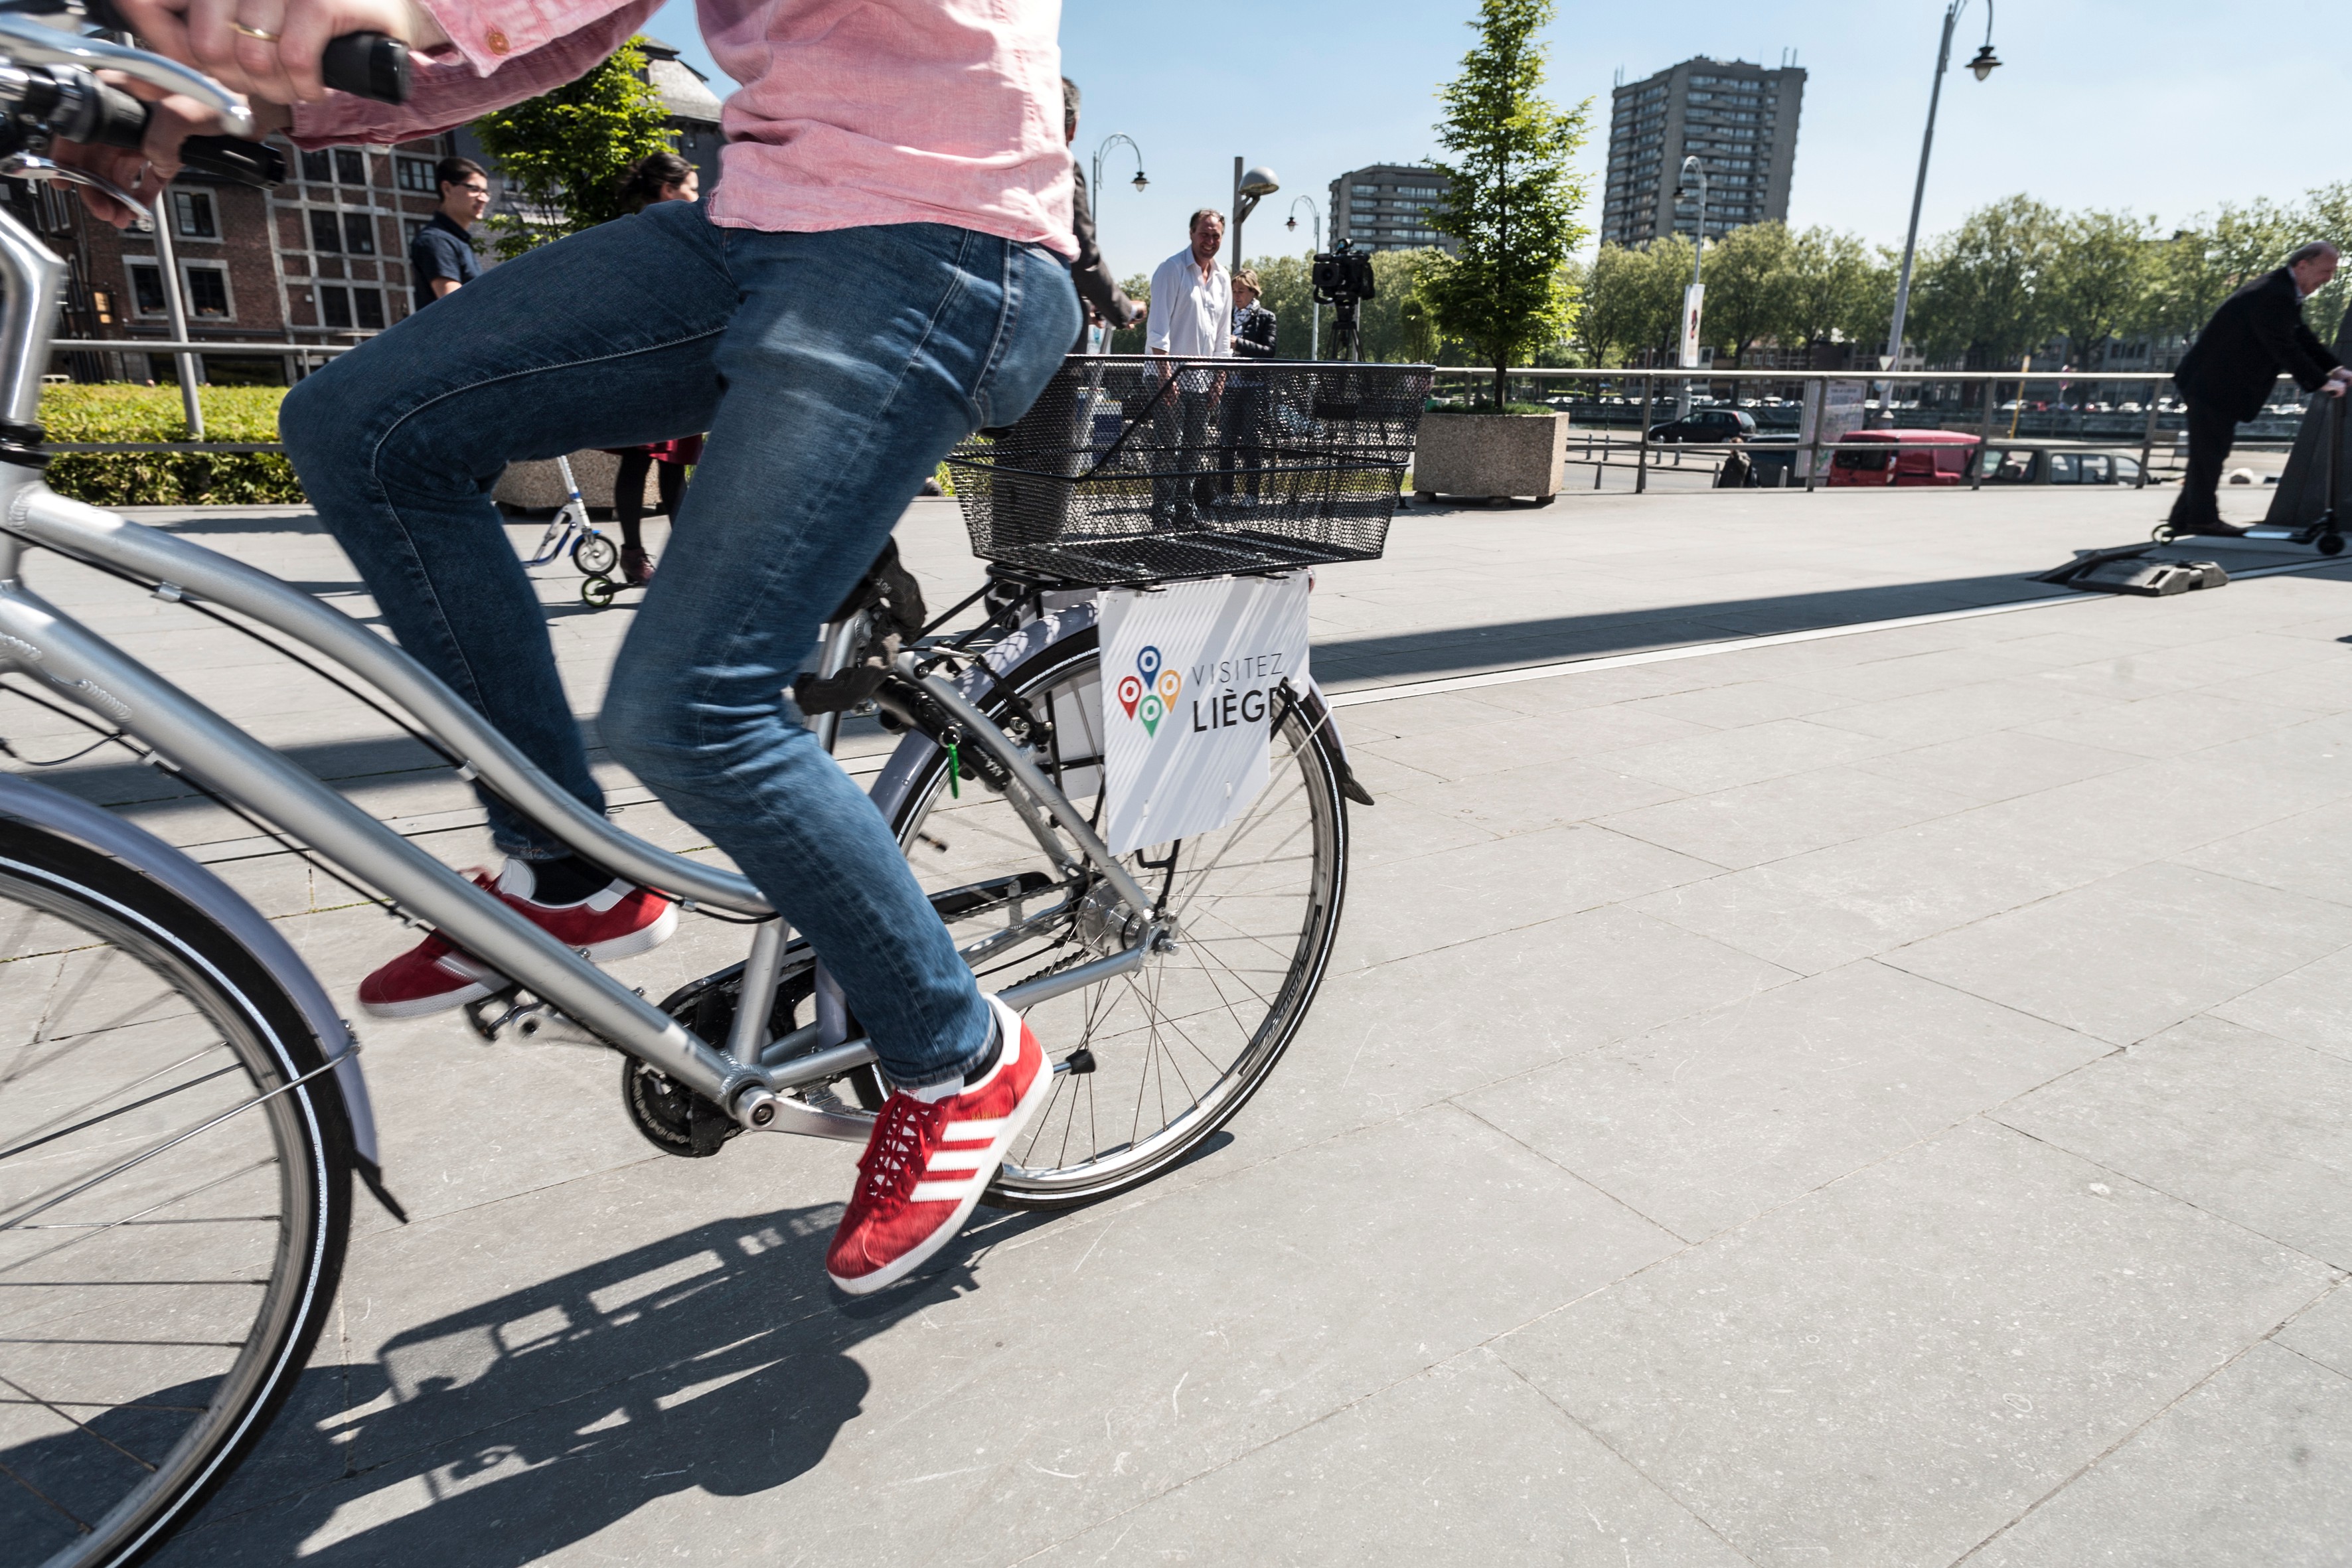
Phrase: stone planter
(1492, 456)
(537, 486)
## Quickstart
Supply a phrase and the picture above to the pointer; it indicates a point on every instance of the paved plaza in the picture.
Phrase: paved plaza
(1871, 1097)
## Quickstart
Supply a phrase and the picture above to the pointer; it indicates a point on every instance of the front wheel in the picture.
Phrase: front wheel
(1164, 1055)
(594, 556)
(174, 1198)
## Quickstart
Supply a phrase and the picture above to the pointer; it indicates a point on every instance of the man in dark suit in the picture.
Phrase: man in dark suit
(1099, 292)
(2227, 374)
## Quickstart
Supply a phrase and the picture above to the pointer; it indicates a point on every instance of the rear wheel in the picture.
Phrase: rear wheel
(173, 1203)
(1165, 1055)
(594, 556)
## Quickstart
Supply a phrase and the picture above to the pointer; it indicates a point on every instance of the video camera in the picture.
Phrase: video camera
(1343, 280)
(1343, 275)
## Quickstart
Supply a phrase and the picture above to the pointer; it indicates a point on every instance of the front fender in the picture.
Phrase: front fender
(142, 851)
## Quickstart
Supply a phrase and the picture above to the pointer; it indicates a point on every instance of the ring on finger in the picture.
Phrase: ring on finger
(266, 37)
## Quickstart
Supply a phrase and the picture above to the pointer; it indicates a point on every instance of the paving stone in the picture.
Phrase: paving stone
(2244, 1469)
(2311, 1006)
(1892, 1368)
(2134, 953)
(2245, 1126)
(1455, 895)
(2323, 1332)
(1998, 766)
(1751, 824)
(1703, 1123)
(1462, 1464)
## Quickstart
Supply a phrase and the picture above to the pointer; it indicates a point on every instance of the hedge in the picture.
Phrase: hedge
(122, 412)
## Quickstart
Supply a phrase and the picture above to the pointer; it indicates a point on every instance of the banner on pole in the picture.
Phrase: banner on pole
(1693, 298)
(1191, 678)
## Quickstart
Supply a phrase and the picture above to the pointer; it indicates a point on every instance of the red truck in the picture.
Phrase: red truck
(1926, 458)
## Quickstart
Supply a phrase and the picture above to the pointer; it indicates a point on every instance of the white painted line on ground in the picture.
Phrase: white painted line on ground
(1362, 695)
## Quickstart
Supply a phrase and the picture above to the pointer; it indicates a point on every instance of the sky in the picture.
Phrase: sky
(2164, 108)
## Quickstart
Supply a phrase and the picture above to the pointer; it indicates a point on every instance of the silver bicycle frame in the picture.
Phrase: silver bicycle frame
(749, 1079)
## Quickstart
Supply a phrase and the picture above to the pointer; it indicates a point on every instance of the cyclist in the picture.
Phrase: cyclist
(882, 269)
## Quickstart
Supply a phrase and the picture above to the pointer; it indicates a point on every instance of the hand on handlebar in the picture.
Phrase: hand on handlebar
(145, 170)
(282, 67)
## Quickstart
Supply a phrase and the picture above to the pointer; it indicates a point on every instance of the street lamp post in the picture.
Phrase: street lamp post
(1250, 188)
(1314, 310)
(1982, 66)
(1095, 194)
(1692, 301)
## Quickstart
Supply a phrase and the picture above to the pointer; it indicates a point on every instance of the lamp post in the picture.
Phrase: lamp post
(1694, 298)
(1982, 66)
(1094, 192)
(1249, 189)
(1314, 310)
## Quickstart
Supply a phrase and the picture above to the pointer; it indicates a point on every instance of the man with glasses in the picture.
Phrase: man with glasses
(441, 258)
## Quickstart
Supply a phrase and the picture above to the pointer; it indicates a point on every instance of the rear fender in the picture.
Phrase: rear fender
(141, 851)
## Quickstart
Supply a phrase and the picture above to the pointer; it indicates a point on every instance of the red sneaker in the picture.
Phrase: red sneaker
(433, 976)
(927, 1164)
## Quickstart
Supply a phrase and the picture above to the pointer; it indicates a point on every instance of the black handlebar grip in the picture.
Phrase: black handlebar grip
(116, 118)
(255, 164)
(367, 65)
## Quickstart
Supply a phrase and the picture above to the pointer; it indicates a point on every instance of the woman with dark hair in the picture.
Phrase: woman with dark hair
(656, 177)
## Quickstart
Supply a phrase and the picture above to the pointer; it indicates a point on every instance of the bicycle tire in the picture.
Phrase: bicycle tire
(168, 997)
(596, 555)
(1301, 751)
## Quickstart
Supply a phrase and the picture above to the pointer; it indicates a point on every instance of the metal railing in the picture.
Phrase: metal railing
(1656, 392)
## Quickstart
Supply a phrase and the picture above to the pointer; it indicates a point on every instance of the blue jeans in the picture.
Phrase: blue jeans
(832, 372)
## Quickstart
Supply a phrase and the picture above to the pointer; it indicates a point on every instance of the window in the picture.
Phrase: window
(193, 210)
(326, 234)
(359, 234)
(317, 167)
(146, 289)
(335, 306)
(416, 175)
(1365, 190)
(367, 307)
(207, 295)
(351, 166)
(415, 226)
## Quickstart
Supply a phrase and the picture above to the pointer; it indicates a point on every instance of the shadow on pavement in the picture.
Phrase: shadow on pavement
(1459, 650)
(714, 1360)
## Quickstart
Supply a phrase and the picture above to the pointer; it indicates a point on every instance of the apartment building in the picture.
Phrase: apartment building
(1386, 207)
(1739, 120)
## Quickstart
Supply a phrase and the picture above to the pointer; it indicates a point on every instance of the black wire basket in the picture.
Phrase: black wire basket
(1131, 470)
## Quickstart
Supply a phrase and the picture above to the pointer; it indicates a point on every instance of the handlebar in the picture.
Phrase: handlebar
(49, 90)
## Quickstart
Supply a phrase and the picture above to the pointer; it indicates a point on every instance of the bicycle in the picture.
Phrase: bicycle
(185, 1110)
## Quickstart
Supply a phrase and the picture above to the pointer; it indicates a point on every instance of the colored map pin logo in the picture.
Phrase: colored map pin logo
(1171, 683)
(1151, 713)
(1130, 692)
(1147, 661)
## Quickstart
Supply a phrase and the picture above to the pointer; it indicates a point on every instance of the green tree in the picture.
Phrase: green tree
(1826, 287)
(1632, 299)
(1979, 287)
(1747, 287)
(2097, 280)
(1511, 199)
(566, 151)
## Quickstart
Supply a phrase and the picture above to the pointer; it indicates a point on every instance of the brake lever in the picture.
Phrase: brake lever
(28, 166)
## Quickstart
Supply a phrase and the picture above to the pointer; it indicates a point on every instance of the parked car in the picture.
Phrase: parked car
(2038, 466)
(1708, 425)
(1926, 458)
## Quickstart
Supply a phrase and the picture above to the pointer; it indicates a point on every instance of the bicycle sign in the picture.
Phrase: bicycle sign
(1199, 670)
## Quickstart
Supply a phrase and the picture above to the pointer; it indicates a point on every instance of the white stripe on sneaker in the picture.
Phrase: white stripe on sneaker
(979, 1129)
(946, 1192)
(967, 1160)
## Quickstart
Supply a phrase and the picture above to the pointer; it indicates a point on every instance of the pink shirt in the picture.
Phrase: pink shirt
(852, 112)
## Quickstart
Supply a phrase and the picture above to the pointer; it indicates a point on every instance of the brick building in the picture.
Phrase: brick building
(321, 259)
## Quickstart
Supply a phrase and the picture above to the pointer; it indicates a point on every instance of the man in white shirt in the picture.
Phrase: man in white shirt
(1192, 317)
